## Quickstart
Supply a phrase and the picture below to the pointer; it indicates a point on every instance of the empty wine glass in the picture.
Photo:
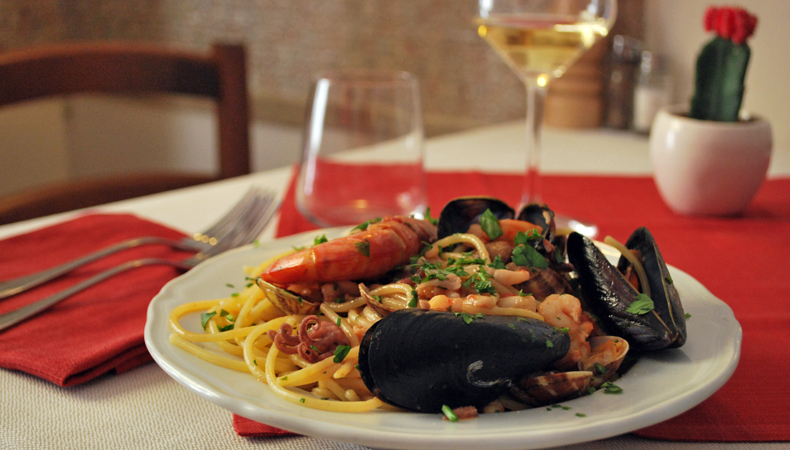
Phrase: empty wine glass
(539, 40)
(363, 148)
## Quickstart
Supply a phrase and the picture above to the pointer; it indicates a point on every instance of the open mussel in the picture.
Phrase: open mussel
(421, 360)
(610, 296)
(460, 213)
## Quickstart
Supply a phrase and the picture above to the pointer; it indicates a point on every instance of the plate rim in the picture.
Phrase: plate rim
(510, 438)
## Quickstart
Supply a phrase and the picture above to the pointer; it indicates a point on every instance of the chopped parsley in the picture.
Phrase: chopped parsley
(524, 255)
(414, 299)
(363, 247)
(340, 353)
(688, 316)
(468, 318)
(642, 305)
(497, 263)
(549, 343)
(448, 412)
(428, 216)
(320, 239)
(364, 225)
(205, 317)
(611, 388)
(490, 225)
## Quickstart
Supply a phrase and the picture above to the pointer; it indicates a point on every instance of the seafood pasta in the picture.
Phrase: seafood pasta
(485, 313)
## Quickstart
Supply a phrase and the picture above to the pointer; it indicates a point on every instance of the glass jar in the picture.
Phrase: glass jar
(653, 91)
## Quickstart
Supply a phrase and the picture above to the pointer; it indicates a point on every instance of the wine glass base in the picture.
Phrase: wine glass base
(585, 228)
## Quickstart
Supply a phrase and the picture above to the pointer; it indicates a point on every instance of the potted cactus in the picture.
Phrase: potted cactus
(711, 157)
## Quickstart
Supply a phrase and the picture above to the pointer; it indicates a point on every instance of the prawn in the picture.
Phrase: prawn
(366, 253)
(565, 312)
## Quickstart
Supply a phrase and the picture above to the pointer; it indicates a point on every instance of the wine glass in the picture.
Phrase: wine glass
(363, 148)
(539, 40)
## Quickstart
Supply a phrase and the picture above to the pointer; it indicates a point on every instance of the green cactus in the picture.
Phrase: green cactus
(721, 70)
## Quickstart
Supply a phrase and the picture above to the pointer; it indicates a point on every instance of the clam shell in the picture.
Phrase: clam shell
(552, 388)
(286, 301)
(599, 377)
(382, 309)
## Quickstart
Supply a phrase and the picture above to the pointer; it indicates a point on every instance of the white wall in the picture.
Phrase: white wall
(53, 140)
(674, 28)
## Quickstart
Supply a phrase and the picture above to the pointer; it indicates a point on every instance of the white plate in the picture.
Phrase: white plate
(662, 385)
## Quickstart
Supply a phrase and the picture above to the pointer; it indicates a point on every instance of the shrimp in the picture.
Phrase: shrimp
(510, 228)
(363, 254)
(565, 311)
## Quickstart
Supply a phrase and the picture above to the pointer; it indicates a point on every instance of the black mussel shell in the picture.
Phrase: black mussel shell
(608, 294)
(460, 213)
(662, 289)
(544, 282)
(540, 215)
(421, 360)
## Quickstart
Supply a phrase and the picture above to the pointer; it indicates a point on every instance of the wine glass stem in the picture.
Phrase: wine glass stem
(536, 94)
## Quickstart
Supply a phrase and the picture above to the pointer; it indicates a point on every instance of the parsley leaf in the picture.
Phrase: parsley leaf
(611, 388)
(528, 257)
(428, 216)
(449, 413)
(642, 305)
(320, 239)
(414, 299)
(364, 225)
(490, 224)
(497, 263)
(363, 247)
(205, 317)
(468, 318)
(340, 353)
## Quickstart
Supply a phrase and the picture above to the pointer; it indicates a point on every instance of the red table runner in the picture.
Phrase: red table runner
(741, 260)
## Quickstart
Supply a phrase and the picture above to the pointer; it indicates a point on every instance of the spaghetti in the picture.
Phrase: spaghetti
(453, 274)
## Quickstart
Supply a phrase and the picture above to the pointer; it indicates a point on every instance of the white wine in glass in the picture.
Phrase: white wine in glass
(540, 40)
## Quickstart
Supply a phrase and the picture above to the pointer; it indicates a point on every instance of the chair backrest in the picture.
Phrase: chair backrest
(120, 69)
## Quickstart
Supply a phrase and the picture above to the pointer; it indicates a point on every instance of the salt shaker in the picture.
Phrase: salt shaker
(653, 91)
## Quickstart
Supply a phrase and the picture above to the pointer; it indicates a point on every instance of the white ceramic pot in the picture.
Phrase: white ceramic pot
(703, 167)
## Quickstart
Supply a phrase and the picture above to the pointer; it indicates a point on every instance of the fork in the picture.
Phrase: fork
(244, 230)
(197, 242)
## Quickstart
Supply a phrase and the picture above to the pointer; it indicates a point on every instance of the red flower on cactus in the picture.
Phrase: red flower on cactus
(735, 24)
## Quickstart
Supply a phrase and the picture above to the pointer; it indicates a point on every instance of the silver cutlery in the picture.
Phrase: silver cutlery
(246, 227)
(197, 242)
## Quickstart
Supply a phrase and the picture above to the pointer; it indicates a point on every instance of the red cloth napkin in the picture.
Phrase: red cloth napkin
(99, 330)
(741, 260)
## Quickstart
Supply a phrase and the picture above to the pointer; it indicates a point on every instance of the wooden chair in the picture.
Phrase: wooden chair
(118, 69)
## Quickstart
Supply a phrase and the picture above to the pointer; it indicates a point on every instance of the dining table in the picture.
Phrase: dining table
(140, 406)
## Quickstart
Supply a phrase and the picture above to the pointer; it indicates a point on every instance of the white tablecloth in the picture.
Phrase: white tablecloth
(145, 409)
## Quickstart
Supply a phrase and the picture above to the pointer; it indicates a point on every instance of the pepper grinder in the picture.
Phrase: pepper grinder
(623, 63)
